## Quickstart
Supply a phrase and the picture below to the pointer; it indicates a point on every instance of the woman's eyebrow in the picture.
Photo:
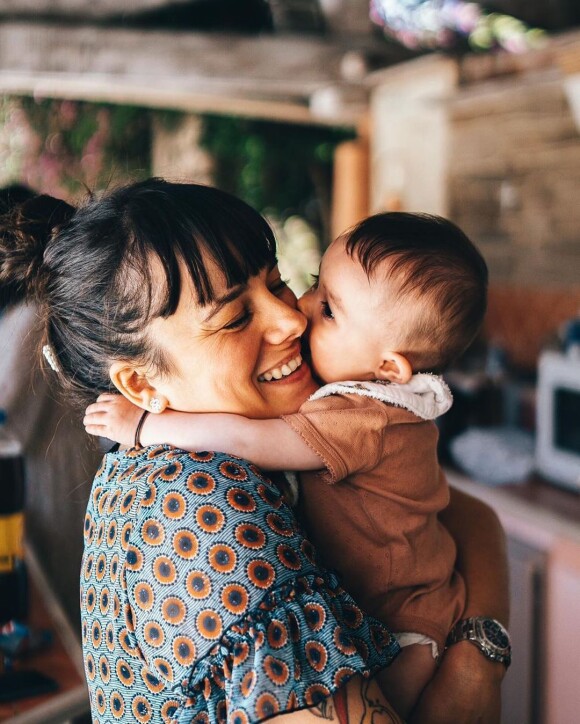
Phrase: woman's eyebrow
(220, 303)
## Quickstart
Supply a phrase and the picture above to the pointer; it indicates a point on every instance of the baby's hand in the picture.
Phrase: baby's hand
(113, 417)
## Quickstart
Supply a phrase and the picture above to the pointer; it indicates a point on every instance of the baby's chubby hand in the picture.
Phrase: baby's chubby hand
(113, 417)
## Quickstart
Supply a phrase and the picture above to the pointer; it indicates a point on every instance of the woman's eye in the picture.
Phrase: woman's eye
(280, 285)
(326, 310)
(241, 321)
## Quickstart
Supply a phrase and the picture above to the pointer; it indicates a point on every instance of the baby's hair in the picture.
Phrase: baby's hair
(91, 269)
(433, 262)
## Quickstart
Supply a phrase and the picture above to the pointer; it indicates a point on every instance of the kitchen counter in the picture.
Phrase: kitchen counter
(542, 523)
(540, 511)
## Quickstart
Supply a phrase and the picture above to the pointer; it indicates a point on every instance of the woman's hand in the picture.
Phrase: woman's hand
(465, 690)
(467, 686)
(481, 556)
(113, 417)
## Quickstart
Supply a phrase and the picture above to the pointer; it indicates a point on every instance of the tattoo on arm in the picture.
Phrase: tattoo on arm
(341, 705)
(375, 711)
(325, 710)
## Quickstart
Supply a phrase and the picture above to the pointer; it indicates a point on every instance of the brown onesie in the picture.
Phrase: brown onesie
(372, 512)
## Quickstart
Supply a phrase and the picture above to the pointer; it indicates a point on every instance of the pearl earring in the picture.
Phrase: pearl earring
(155, 405)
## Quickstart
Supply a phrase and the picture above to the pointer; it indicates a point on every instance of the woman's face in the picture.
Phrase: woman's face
(222, 354)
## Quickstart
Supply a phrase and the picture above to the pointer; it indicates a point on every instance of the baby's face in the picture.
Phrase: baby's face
(348, 318)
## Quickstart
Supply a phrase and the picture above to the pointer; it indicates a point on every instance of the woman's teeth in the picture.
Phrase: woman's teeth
(286, 369)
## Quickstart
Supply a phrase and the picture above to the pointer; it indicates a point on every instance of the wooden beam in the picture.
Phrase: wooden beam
(86, 8)
(264, 77)
(101, 89)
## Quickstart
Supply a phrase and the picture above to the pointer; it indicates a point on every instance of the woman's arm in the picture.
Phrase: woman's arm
(467, 686)
(359, 702)
(269, 444)
(481, 555)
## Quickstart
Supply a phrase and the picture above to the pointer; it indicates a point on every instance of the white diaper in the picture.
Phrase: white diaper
(408, 639)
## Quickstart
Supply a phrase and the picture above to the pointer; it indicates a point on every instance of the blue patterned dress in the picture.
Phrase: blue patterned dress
(201, 600)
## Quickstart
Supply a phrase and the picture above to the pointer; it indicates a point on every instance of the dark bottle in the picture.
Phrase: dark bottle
(13, 588)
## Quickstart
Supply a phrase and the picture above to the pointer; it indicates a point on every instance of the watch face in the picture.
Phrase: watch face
(495, 634)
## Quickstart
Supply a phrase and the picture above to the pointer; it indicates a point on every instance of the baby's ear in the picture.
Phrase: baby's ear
(394, 368)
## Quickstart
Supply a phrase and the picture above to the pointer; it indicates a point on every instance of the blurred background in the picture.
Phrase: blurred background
(317, 113)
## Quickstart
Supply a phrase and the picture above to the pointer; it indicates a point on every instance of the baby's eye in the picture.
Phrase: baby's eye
(315, 279)
(326, 310)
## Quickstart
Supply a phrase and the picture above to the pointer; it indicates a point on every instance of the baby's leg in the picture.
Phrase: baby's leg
(404, 680)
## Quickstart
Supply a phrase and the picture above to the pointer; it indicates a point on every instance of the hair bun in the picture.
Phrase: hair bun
(24, 233)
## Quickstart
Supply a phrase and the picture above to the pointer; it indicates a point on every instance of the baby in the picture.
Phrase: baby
(398, 295)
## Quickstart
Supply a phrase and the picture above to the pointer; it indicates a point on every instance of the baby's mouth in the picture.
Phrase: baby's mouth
(276, 373)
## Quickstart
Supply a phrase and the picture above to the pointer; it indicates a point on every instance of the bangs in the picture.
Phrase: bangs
(190, 223)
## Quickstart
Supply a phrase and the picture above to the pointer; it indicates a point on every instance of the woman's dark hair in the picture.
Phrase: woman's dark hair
(433, 260)
(11, 197)
(90, 269)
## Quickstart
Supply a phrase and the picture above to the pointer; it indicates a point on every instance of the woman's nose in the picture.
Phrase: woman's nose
(284, 323)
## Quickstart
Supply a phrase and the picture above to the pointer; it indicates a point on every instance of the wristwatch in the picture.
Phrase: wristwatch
(490, 637)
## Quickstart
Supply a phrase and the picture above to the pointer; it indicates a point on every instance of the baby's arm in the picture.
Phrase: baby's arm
(270, 444)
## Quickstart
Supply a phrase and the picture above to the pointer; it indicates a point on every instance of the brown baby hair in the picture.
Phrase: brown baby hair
(434, 263)
(90, 269)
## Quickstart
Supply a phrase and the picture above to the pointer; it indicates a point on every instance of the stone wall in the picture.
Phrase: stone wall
(514, 177)
(491, 142)
(513, 184)
(176, 153)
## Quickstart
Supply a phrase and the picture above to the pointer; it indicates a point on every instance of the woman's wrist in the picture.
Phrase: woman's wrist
(465, 688)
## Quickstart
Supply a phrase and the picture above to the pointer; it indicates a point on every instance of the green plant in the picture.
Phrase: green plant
(282, 168)
(74, 145)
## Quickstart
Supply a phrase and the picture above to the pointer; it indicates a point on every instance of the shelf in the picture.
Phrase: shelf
(61, 661)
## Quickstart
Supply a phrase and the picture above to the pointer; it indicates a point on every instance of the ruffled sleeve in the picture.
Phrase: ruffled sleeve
(304, 642)
(225, 603)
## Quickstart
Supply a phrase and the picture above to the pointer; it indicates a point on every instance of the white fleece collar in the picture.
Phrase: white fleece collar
(425, 395)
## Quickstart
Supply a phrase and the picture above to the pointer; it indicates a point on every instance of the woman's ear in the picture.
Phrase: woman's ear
(394, 368)
(135, 386)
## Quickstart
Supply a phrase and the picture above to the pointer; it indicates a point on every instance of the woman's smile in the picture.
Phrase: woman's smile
(281, 371)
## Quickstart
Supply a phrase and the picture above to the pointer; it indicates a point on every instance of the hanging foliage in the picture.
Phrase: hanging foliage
(279, 168)
(452, 24)
(66, 147)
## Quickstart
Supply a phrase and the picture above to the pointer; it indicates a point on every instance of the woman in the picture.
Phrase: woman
(201, 600)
